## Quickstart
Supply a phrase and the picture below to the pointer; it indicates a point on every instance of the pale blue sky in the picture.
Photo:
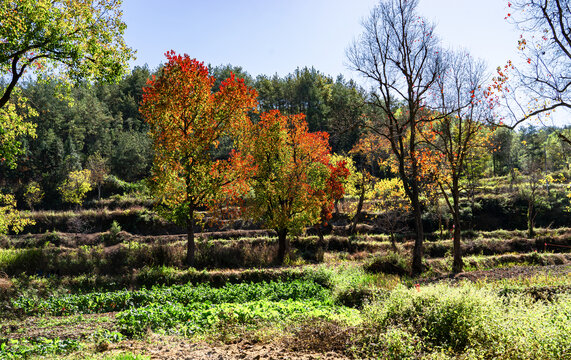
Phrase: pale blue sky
(276, 36)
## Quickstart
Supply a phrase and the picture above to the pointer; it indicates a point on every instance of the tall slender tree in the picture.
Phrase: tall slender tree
(462, 110)
(399, 53)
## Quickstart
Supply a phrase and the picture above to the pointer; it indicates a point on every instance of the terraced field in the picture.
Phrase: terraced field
(126, 295)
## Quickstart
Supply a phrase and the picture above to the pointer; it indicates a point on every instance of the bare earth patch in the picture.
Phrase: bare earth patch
(172, 348)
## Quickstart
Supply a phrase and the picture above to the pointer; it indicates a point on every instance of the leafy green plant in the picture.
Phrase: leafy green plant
(23, 349)
(179, 294)
(203, 317)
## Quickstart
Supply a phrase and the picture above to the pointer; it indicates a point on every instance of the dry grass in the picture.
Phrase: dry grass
(321, 336)
(6, 286)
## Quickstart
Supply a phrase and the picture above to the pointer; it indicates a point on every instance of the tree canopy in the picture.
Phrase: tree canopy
(68, 39)
(292, 182)
(186, 120)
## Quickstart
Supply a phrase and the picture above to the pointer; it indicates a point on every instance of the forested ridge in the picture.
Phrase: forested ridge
(104, 119)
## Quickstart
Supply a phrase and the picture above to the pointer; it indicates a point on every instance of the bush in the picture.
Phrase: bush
(112, 236)
(392, 344)
(465, 319)
(389, 263)
(351, 287)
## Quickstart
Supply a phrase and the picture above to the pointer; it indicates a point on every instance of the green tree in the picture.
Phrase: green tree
(346, 105)
(133, 148)
(33, 194)
(501, 143)
(222, 72)
(13, 128)
(304, 91)
(123, 99)
(75, 187)
(97, 165)
(558, 151)
(10, 218)
(69, 39)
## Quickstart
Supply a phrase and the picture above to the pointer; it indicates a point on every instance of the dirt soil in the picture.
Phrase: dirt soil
(180, 349)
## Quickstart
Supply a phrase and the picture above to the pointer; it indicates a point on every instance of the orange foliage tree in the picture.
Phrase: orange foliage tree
(186, 120)
(292, 183)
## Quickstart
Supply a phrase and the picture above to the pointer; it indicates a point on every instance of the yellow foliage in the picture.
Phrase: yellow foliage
(10, 218)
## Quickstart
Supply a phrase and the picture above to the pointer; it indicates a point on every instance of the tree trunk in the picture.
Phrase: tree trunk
(283, 245)
(99, 192)
(457, 264)
(319, 231)
(440, 224)
(320, 251)
(417, 251)
(190, 247)
(359, 209)
(530, 219)
(393, 242)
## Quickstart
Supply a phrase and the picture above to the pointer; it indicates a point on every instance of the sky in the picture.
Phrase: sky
(267, 37)
(277, 36)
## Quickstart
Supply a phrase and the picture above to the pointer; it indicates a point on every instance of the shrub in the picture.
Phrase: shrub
(466, 320)
(389, 263)
(52, 238)
(112, 236)
(392, 344)
(351, 287)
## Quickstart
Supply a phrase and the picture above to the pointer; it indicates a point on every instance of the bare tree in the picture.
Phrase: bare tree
(399, 53)
(459, 102)
(543, 82)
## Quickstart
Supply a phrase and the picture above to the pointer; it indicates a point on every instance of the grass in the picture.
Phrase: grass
(464, 321)
(364, 315)
(536, 280)
(483, 262)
